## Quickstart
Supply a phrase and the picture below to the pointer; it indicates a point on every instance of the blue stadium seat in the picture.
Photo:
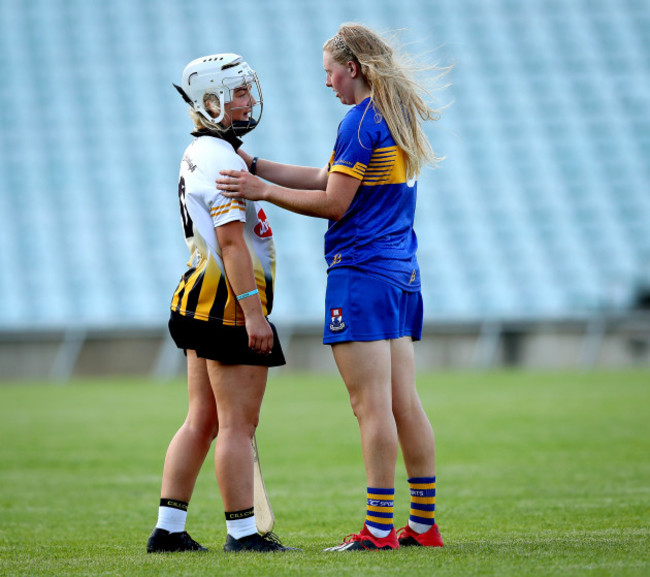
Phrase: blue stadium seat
(540, 209)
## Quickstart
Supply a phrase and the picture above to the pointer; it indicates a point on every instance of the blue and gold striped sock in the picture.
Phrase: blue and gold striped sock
(423, 503)
(379, 513)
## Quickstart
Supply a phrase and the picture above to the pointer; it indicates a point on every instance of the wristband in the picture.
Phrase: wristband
(253, 168)
(248, 294)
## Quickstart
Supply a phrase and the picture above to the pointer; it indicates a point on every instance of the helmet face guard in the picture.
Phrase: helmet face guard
(255, 106)
(221, 75)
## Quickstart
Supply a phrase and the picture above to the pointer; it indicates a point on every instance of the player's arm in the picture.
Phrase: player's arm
(239, 270)
(331, 203)
(287, 175)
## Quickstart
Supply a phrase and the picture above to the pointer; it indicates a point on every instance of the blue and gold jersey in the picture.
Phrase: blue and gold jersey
(376, 233)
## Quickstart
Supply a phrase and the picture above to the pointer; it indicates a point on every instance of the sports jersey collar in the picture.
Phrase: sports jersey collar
(365, 101)
(229, 137)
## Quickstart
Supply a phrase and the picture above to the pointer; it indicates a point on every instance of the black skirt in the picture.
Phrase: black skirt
(218, 342)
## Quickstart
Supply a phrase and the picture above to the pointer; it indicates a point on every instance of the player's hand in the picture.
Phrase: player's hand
(260, 335)
(240, 184)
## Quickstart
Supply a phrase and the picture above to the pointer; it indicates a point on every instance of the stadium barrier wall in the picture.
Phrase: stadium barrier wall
(599, 342)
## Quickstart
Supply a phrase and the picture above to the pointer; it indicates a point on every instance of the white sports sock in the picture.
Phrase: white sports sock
(419, 527)
(172, 520)
(379, 533)
(239, 528)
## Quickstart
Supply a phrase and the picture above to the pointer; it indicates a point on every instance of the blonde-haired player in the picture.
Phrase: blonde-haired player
(373, 310)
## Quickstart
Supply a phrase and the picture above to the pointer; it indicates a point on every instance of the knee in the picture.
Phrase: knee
(244, 425)
(247, 428)
(205, 429)
(402, 412)
(356, 404)
(213, 432)
(366, 407)
(408, 414)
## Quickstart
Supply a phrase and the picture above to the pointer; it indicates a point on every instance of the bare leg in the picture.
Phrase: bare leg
(239, 390)
(413, 426)
(190, 445)
(366, 371)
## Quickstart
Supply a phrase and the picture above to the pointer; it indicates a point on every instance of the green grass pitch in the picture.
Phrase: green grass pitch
(538, 474)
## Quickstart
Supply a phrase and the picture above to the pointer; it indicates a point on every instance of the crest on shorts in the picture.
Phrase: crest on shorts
(337, 324)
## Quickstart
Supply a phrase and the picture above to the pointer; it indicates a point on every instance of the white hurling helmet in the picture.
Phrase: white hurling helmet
(220, 74)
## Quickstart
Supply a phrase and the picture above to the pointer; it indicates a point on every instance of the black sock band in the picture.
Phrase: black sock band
(173, 504)
(235, 515)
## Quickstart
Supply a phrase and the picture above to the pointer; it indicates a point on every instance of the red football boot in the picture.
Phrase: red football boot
(365, 541)
(431, 538)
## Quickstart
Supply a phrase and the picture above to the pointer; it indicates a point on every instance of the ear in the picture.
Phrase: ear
(353, 68)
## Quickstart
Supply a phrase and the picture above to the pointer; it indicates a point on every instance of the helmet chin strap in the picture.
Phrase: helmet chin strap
(241, 127)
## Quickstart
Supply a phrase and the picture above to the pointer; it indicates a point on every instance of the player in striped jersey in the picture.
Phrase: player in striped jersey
(373, 302)
(219, 311)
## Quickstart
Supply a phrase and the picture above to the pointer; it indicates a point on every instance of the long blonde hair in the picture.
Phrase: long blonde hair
(396, 93)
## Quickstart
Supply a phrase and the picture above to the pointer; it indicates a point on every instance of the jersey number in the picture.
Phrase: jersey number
(188, 225)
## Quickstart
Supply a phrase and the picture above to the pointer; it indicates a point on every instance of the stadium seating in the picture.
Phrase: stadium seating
(541, 208)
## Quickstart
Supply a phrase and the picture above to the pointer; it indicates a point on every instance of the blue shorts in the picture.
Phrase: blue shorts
(359, 307)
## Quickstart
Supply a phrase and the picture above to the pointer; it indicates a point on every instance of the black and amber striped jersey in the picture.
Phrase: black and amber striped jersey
(204, 292)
